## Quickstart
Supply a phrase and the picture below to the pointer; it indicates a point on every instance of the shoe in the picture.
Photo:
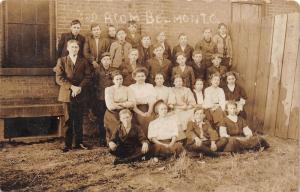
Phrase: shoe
(118, 161)
(81, 146)
(102, 143)
(66, 149)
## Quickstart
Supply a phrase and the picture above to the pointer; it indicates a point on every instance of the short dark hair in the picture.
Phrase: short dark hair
(74, 22)
(93, 25)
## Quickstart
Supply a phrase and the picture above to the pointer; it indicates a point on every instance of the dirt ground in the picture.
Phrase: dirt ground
(43, 167)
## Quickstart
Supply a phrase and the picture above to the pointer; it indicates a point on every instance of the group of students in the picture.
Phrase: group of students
(150, 100)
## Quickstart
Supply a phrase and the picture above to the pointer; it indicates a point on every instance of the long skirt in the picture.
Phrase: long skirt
(157, 150)
(205, 147)
(239, 144)
(111, 122)
(143, 122)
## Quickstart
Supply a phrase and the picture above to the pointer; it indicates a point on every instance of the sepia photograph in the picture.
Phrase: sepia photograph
(150, 96)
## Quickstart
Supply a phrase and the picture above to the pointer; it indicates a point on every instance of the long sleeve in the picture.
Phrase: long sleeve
(87, 75)
(61, 77)
(212, 133)
(222, 100)
(192, 76)
(190, 134)
(229, 47)
(87, 51)
(190, 98)
(109, 98)
(60, 46)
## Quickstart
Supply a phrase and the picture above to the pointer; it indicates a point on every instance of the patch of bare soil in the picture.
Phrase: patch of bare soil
(43, 167)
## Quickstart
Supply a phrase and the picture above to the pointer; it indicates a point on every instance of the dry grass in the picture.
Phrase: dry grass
(41, 167)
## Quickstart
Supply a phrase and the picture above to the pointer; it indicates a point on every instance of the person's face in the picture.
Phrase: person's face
(207, 34)
(133, 55)
(112, 32)
(118, 80)
(215, 81)
(197, 58)
(132, 28)
(125, 119)
(96, 31)
(106, 61)
(121, 35)
(159, 80)
(162, 110)
(183, 40)
(178, 82)
(161, 37)
(199, 85)
(181, 60)
(231, 109)
(75, 29)
(216, 61)
(140, 77)
(223, 29)
(231, 79)
(146, 41)
(199, 115)
(73, 49)
(158, 52)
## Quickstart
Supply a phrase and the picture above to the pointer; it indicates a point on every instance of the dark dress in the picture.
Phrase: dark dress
(235, 129)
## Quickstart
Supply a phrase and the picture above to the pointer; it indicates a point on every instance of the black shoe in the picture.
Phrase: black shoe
(118, 161)
(82, 146)
(66, 149)
(102, 143)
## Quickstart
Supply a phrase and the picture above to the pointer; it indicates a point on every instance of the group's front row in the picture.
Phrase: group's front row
(129, 143)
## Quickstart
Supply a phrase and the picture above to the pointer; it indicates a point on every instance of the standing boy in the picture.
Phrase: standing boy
(103, 79)
(65, 37)
(119, 49)
(133, 37)
(73, 75)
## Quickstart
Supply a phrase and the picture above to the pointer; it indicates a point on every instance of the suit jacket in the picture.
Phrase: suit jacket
(144, 55)
(67, 75)
(134, 41)
(62, 44)
(188, 51)
(187, 75)
(119, 53)
(90, 48)
(199, 71)
(222, 70)
(155, 67)
(167, 51)
(193, 131)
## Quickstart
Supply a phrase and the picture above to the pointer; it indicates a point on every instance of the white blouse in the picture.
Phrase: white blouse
(214, 95)
(163, 128)
(144, 93)
(165, 93)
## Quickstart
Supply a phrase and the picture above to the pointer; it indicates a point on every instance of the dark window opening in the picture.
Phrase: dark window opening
(32, 126)
(29, 33)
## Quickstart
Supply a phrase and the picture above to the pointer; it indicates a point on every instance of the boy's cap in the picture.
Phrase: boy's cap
(105, 54)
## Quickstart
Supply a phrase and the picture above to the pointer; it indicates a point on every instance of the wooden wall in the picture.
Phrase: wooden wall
(267, 58)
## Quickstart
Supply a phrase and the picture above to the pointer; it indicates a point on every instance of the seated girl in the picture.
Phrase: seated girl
(214, 100)
(240, 135)
(162, 92)
(201, 137)
(163, 132)
(144, 96)
(235, 93)
(198, 92)
(184, 103)
(117, 97)
(128, 142)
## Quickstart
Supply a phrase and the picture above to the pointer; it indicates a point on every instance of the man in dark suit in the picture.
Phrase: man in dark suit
(73, 75)
(65, 37)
